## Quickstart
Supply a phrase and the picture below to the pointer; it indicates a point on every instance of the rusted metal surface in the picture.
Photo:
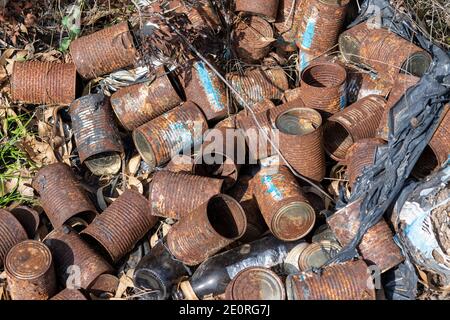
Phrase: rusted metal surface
(346, 281)
(361, 85)
(11, 233)
(96, 135)
(229, 122)
(37, 82)
(203, 87)
(61, 195)
(287, 22)
(28, 218)
(30, 272)
(290, 263)
(180, 163)
(175, 195)
(72, 254)
(122, 224)
(255, 283)
(105, 285)
(358, 121)
(261, 106)
(317, 254)
(255, 85)
(200, 13)
(301, 141)
(350, 42)
(252, 38)
(323, 87)
(139, 103)
(207, 229)
(266, 8)
(69, 294)
(179, 129)
(103, 51)
(292, 95)
(283, 205)
(360, 155)
(377, 245)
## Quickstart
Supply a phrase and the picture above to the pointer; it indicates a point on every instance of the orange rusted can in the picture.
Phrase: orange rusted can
(11, 233)
(363, 84)
(286, 24)
(265, 8)
(69, 294)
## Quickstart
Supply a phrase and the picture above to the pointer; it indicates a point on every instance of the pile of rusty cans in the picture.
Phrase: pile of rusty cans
(232, 158)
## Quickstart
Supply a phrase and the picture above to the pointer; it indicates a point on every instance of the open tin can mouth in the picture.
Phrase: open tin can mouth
(298, 121)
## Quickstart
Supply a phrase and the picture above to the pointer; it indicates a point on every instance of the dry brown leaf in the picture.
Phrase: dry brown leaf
(133, 165)
(21, 180)
(40, 152)
(6, 55)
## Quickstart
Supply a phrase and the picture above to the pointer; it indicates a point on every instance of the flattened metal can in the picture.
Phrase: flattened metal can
(301, 141)
(206, 230)
(255, 283)
(358, 121)
(346, 281)
(104, 51)
(37, 82)
(61, 195)
(175, 195)
(178, 130)
(96, 135)
(76, 262)
(377, 245)
(266, 8)
(30, 272)
(139, 103)
(69, 294)
(11, 233)
(284, 207)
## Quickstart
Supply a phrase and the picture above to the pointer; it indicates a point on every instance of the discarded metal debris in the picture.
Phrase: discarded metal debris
(69, 294)
(11, 233)
(267, 9)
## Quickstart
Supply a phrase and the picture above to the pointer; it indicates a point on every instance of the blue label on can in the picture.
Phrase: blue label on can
(271, 188)
(214, 96)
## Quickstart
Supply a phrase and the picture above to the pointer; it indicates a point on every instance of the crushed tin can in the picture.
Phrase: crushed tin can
(28, 218)
(69, 294)
(179, 129)
(316, 254)
(119, 228)
(255, 283)
(363, 84)
(77, 264)
(11, 233)
(346, 281)
(377, 245)
(139, 103)
(175, 195)
(206, 230)
(30, 272)
(358, 121)
(97, 138)
(267, 9)
(61, 195)
(103, 51)
(37, 82)
(284, 207)
(301, 141)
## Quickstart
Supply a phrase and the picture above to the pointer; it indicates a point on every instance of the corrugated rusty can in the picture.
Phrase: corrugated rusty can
(175, 195)
(104, 51)
(292, 95)
(284, 207)
(255, 283)
(350, 42)
(37, 82)
(28, 218)
(96, 135)
(200, 13)
(346, 281)
(267, 9)
(377, 245)
(358, 121)
(252, 38)
(206, 230)
(180, 163)
(61, 195)
(178, 130)
(301, 141)
(323, 87)
(317, 254)
(73, 256)
(104, 286)
(30, 272)
(122, 224)
(360, 155)
(361, 85)
(255, 85)
(69, 294)
(203, 87)
(139, 103)
(11, 233)
(230, 122)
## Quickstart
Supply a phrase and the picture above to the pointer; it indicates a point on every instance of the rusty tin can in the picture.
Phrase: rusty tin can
(178, 130)
(323, 87)
(206, 230)
(286, 23)
(73, 256)
(104, 51)
(350, 42)
(255, 85)
(69, 294)
(266, 8)
(104, 286)
(361, 85)
(301, 141)
(122, 224)
(204, 88)
(200, 13)
(139, 103)
(376, 247)
(284, 207)
(292, 95)
(252, 38)
(358, 121)
(346, 281)
(61, 195)
(175, 195)
(255, 283)
(30, 271)
(180, 163)
(96, 135)
(37, 82)
(317, 254)
(28, 218)
(11, 233)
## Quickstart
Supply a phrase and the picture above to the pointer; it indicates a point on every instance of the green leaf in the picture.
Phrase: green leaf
(65, 43)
